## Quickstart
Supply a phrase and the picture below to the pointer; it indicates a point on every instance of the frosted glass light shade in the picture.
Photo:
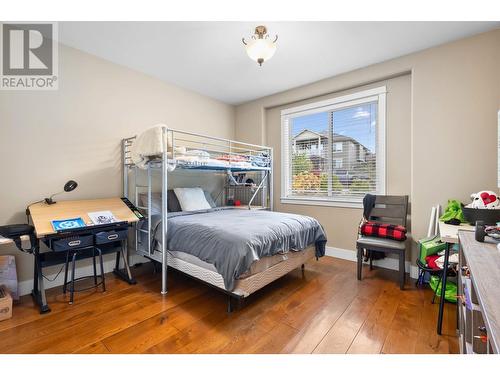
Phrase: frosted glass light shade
(260, 50)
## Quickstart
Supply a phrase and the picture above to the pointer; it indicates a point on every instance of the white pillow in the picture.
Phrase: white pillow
(192, 199)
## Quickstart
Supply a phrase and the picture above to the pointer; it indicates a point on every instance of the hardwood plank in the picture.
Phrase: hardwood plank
(313, 330)
(252, 322)
(91, 329)
(309, 304)
(19, 335)
(197, 332)
(342, 333)
(344, 330)
(451, 328)
(95, 348)
(403, 332)
(326, 310)
(316, 312)
(156, 329)
(26, 311)
(239, 340)
(274, 341)
(428, 341)
(375, 329)
(94, 322)
(295, 303)
(139, 337)
(229, 334)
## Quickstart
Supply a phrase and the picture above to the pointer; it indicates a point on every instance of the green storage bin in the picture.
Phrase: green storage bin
(450, 293)
(430, 246)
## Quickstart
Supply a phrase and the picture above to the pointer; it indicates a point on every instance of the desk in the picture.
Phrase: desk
(483, 261)
(42, 215)
(449, 235)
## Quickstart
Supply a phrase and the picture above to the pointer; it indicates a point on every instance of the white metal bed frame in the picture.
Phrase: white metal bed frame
(194, 141)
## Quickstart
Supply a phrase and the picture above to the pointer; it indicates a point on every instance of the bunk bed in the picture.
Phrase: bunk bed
(237, 249)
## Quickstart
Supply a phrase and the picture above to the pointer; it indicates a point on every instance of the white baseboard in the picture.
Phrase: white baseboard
(388, 263)
(25, 287)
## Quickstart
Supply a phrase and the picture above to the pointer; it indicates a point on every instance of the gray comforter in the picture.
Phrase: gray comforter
(232, 239)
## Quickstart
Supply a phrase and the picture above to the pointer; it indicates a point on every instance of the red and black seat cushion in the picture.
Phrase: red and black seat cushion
(389, 231)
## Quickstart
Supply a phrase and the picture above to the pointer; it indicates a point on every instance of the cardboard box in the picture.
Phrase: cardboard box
(8, 274)
(5, 304)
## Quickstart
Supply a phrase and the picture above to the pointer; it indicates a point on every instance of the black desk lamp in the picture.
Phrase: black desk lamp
(68, 186)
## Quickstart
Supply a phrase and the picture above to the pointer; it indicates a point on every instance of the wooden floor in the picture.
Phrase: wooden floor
(325, 311)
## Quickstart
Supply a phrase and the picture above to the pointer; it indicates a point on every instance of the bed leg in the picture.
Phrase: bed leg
(229, 304)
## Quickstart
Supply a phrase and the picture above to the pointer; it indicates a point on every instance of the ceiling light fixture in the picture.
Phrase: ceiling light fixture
(260, 47)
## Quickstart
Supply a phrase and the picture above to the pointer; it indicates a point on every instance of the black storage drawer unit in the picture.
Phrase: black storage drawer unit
(110, 236)
(72, 242)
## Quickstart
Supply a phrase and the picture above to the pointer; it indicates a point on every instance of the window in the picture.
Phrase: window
(337, 163)
(333, 151)
(337, 147)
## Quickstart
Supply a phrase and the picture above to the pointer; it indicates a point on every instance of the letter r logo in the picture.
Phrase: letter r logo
(27, 49)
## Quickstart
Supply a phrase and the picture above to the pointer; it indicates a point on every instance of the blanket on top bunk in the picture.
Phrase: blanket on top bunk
(232, 239)
(148, 143)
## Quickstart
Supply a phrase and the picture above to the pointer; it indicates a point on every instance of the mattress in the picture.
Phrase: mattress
(197, 161)
(149, 145)
(256, 267)
(232, 240)
(248, 285)
(261, 273)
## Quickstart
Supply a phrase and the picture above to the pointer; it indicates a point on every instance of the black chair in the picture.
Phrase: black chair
(15, 232)
(389, 209)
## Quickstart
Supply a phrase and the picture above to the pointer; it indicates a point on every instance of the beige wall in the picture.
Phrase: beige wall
(48, 137)
(398, 123)
(448, 149)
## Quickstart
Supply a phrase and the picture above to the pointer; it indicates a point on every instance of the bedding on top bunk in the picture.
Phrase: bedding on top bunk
(232, 239)
(149, 145)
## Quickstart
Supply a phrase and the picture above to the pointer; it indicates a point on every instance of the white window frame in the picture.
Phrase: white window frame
(377, 94)
(335, 160)
(340, 149)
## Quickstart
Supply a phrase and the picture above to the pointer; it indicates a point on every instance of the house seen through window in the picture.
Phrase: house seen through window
(335, 151)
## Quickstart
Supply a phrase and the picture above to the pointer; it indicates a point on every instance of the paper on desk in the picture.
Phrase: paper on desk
(102, 217)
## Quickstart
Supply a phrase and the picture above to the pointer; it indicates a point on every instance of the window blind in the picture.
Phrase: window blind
(334, 151)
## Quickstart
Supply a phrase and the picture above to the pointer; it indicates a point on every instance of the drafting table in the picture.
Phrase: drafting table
(42, 215)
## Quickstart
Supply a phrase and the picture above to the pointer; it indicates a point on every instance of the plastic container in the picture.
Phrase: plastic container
(489, 216)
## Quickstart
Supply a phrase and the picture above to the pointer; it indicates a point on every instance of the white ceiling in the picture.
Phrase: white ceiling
(209, 57)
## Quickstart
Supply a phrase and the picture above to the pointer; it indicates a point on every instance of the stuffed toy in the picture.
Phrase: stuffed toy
(485, 199)
(453, 212)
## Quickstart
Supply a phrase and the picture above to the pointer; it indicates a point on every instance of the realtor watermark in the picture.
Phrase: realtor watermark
(29, 56)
